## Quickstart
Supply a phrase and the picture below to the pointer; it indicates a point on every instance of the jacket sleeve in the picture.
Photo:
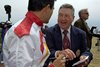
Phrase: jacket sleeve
(50, 42)
(18, 52)
(84, 48)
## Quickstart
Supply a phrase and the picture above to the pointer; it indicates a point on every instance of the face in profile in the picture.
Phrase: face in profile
(48, 14)
(85, 15)
(65, 18)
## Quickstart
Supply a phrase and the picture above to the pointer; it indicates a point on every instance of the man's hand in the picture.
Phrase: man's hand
(69, 54)
(85, 63)
(59, 61)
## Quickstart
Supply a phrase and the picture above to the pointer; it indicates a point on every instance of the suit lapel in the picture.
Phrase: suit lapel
(73, 38)
(58, 36)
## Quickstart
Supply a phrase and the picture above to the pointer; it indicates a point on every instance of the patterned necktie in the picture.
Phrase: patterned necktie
(66, 42)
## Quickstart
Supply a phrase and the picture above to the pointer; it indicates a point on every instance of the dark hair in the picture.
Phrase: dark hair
(68, 6)
(37, 5)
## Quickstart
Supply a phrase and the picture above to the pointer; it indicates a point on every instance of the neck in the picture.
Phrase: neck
(40, 15)
(82, 19)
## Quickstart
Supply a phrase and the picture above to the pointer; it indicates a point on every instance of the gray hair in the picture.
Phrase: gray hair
(81, 11)
(68, 6)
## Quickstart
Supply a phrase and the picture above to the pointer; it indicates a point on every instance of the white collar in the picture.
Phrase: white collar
(67, 30)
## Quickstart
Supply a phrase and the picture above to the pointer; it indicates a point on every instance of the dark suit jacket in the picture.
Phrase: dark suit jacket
(78, 42)
(83, 25)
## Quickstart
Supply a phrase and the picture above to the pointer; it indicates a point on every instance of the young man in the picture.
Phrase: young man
(24, 44)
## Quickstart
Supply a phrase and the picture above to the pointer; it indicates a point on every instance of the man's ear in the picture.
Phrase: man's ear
(45, 9)
(73, 17)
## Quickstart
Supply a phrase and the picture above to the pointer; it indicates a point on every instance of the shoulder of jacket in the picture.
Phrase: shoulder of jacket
(23, 28)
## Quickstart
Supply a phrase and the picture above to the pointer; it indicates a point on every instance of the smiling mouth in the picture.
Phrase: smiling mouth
(63, 23)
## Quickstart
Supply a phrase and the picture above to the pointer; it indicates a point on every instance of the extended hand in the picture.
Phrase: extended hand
(85, 63)
(59, 61)
(69, 54)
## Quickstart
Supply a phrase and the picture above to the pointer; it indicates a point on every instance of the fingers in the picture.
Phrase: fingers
(82, 57)
(59, 61)
(69, 54)
(63, 60)
(85, 63)
(61, 56)
(58, 53)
